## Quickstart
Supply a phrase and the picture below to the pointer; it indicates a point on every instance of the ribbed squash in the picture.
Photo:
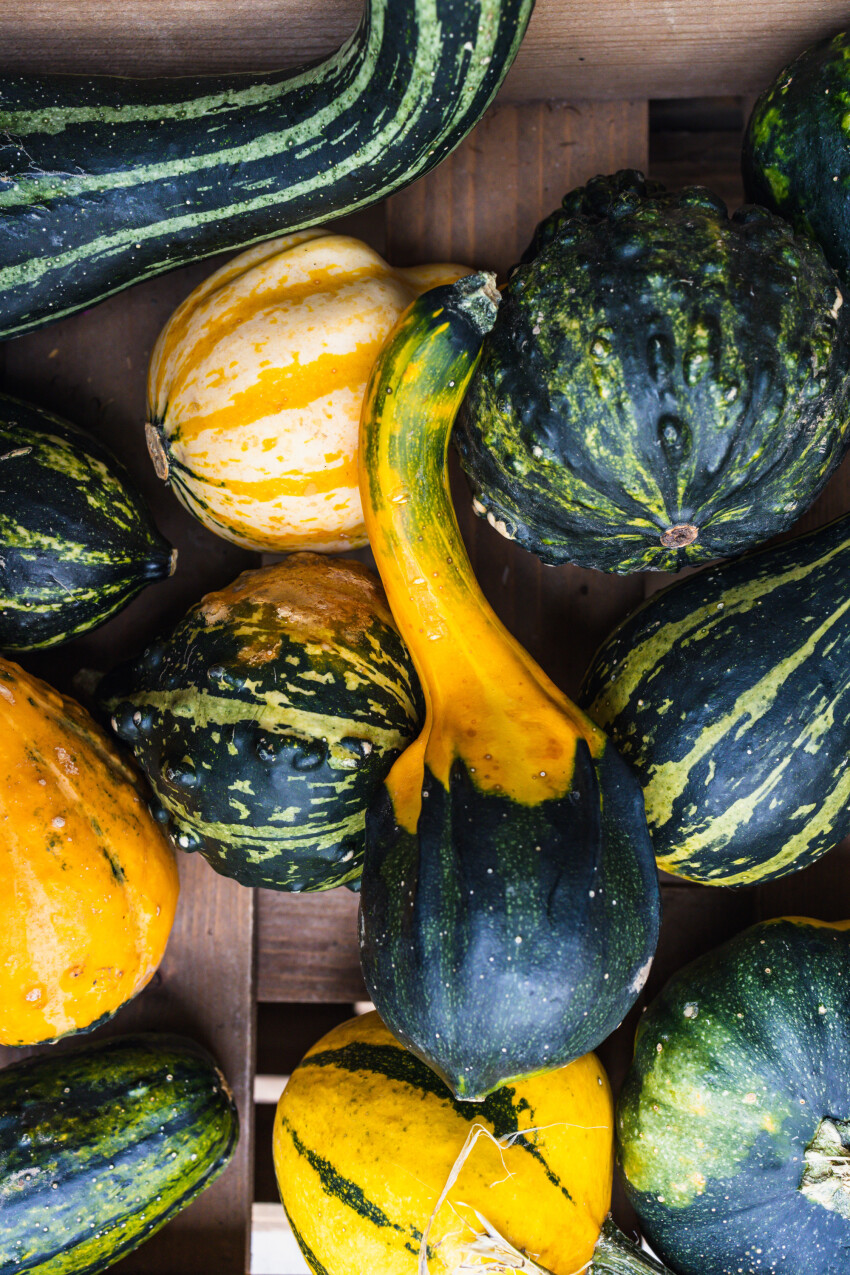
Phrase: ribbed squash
(268, 719)
(88, 882)
(366, 1141)
(509, 908)
(256, 385)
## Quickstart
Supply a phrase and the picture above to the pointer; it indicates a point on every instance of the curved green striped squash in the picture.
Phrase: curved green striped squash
(268, 719)
(77, 543)
(101, 1147)
(734, 1120)
(664, 384)
(108, 181)
(729, 694)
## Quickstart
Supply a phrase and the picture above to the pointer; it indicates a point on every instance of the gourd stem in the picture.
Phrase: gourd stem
(616, 1255)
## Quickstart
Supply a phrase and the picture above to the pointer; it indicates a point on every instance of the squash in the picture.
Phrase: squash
(366, 1141)
(77, 543)
(729, 693)
(256, 384)
(664, 384)
(268, 718)
(509, 906)
(99, 1148)
(108, 180)
(733, 1121)
(88, 881)
(795, 157)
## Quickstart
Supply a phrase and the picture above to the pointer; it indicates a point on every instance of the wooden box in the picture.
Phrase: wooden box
(660, 85)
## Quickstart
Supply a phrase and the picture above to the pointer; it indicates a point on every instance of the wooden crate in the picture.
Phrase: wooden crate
(663, 86)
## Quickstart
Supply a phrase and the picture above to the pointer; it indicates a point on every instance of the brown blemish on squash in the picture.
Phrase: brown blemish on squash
(684, 533)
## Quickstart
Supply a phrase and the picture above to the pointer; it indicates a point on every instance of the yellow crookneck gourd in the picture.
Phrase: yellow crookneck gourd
(509, 906)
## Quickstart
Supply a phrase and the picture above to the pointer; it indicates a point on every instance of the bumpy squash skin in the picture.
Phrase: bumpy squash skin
(100, 1148)
(796, 158)
(736, 1064)
(268, 719)
(509, 910)
(88, 881)
(664, 384)
(108, 180)
(729, 694)
(77, 543)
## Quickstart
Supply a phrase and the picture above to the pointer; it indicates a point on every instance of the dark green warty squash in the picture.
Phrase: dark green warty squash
(77, 543)
(268, 719)
(734, 1120)
(101, 1147)
(664, 384)
(797, 152)
(729, 694)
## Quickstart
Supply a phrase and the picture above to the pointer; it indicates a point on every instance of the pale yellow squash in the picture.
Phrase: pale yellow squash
(256, 384)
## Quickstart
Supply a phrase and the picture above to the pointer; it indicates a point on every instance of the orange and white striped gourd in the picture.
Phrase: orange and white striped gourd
(256, 384)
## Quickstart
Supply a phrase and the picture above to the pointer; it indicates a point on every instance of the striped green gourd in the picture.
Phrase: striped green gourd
(268, 719)
(77, 543)
(107, 180)
(729, 694)
(101, 1147)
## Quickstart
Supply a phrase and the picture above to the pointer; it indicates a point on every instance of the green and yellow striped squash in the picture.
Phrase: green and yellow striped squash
(366, 1141)
(266, 721)
(256, 384)
(108, 180)
(509, 911)
(729, 694)
(99, 1148)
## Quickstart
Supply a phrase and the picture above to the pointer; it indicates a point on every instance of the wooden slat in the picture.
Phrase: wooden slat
(307, 947)
(605, 50)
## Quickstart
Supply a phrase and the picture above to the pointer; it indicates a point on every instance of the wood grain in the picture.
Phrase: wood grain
(307, 947)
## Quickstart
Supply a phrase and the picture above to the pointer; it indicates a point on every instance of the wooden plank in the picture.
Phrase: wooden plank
(606, 50)
(307, 947)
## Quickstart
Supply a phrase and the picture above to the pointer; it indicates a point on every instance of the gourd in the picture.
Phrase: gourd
(256, 384)
(99, 1148)
(367, 1141)
(89, 882)
(108, 180)
(732, 1124)
(77, 543)
(509, 906)
(664, 384)
(795, 157)
(729, 694)
(269, 717)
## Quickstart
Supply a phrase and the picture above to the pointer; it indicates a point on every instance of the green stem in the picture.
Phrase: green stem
(616, 1255)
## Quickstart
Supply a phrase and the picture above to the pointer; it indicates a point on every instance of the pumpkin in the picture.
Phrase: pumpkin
(256, 384)
(733, 1127)
(269, 717)
(89, 882)
(367, 1141)
(664, 384)
(509, 906)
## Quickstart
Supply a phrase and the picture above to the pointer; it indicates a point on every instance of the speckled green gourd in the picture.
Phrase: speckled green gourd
(77, 543)
(734, 1120)
(663, 385)
(268, 719)
(101, 1147)
(796, 157)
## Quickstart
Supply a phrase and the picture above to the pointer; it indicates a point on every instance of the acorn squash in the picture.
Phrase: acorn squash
(664, 384)
(89, 882)
(509, 907)
(256, 384)
(733, 1128)
(268, 718)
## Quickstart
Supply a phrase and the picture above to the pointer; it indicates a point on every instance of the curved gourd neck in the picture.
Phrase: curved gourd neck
(488, 703)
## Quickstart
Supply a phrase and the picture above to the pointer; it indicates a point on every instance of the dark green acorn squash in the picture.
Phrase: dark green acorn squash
(509, 911)
(101, 1147)
(729, 694)
(796, 156)
(734, 1120)
(77, 543)
(664, 384)
(268, 719)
